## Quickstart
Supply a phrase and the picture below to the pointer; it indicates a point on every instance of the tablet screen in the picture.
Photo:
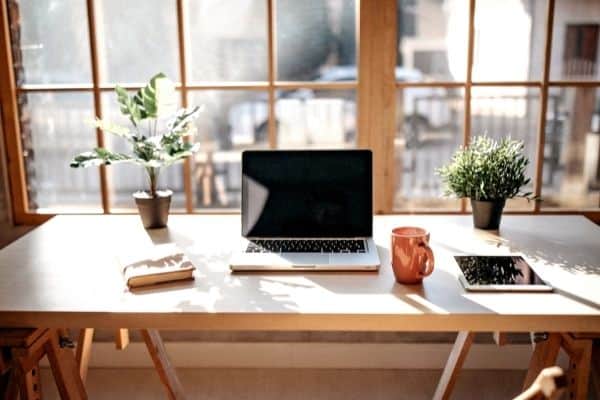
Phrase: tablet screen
(497, 270)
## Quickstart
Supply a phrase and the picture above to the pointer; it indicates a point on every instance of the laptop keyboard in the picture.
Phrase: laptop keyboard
(306, 246)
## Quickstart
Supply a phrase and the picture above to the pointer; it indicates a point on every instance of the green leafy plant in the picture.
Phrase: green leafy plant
(487, 170)
(153, 148)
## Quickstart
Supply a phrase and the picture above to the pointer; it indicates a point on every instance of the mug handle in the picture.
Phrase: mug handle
(430, 259)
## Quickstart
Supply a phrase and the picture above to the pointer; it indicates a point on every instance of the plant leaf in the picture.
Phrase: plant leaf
(183, 118)
(149, 97)
(99, 156)
(127, 105)
(154, 149)
(115, 129)
(166, 97)
(487, 170)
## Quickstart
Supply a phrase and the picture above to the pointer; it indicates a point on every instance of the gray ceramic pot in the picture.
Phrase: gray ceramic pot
(154, 211)
(487, 214)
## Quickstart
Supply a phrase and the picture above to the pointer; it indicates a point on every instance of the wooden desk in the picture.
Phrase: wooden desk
(64, 273)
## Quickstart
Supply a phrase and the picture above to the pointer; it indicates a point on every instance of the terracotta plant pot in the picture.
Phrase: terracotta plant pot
(487, 214)
(154, 211)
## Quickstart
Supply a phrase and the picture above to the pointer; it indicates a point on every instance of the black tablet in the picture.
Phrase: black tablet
(499, 273)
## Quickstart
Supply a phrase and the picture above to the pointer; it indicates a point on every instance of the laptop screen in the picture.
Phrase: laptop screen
(307, 193)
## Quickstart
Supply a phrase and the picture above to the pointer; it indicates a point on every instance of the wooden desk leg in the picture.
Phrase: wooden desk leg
(543, 356)
(34, 381)
(580, 359)
(501, 338)
(595, 368)
(121, 338)
(83, 352)
(64, 369)
(163, 365)
(455, 362)
(4, 381)
(11, 390)
(29, 384)
(4, 360)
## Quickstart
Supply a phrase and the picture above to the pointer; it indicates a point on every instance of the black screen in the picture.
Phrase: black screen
(497, 270)
(308, 194)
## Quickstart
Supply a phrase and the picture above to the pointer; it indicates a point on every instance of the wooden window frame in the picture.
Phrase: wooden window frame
(376, 97)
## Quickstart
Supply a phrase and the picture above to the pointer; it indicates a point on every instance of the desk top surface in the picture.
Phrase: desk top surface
(66, 273)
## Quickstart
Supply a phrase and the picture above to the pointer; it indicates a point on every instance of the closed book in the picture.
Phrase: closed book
(162, 263)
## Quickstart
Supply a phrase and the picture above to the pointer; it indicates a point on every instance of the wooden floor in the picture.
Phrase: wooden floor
(296, 384)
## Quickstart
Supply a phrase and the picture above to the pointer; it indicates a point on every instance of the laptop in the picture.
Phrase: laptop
(307, 210)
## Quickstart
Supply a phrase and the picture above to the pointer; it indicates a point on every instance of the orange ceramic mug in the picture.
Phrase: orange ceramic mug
(412, 258)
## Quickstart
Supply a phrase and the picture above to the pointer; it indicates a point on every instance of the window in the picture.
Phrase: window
(428, 29)
(285, 74)
(270, 74)
(443, 101)
(571, 168)
(407, 18)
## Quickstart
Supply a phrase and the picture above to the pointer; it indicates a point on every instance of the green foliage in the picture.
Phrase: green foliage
(128, 106)
(99, 156)
(150, 149)
(151, 101)
(487, 170)
(115, 129)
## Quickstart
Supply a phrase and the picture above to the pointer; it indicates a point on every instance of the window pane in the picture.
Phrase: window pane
(509, 40)
(575, 37)
(228, 40)
(432, 40)
(55, 127)
(508, 112)
(137, 39)
(429, 130)
(572, 151)
(232, 121)
(316, 40)
(316, 119)
(47, 29)
(126, 179)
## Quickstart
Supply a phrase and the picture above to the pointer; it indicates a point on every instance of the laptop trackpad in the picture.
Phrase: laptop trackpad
(305, 259)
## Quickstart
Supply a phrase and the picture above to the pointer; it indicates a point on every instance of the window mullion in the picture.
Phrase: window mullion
(91, 19)
(541, 136)
(272, 69)
(10, 120)
(377, 95)
(468, 86)
(182, 35)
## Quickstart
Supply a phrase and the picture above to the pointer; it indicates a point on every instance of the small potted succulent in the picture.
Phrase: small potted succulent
(157, 140)
(488, 172)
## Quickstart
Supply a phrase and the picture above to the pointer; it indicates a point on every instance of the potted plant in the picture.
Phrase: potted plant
(488, 172)
(157, 140)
